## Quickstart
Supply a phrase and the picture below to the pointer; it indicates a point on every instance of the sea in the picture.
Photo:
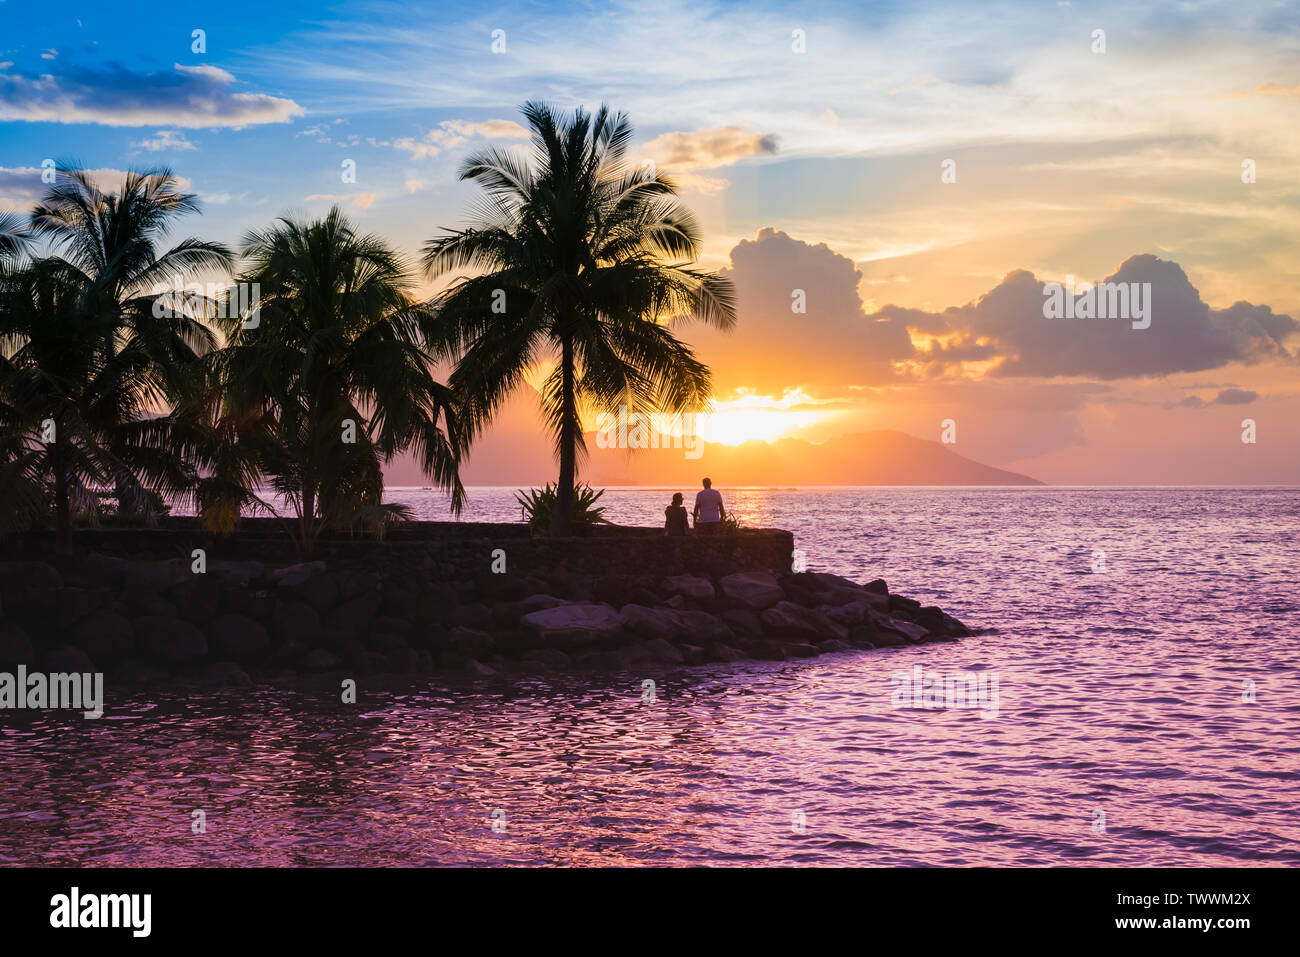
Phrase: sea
(1139, 654)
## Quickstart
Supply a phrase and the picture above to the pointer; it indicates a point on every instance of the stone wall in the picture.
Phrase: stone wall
(465, 548)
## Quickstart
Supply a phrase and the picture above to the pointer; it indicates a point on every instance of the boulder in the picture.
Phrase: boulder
(236, 573)
(295, 621)
(226, 674)
(237, 637)
(654, 651)
(470, 642)
(107, 637)
(786, 619)
(743, 621)
(15, 646)
(142, 600)
(308, 583)
(67, 659)
(572, 626)
(351, 618)
(318, 659)
(157, 575)
(675, 624)
(878, 586)
(539, 602)
(903, 603)
(722, 652)
(688, 586)
(170, 638)
(756, 590)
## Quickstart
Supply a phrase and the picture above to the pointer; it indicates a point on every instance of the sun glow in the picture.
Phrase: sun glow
(759, 417)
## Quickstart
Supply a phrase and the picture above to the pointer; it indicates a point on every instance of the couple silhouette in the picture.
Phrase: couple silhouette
(709, 512)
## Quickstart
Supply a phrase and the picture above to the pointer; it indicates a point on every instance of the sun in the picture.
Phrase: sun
(754, 417)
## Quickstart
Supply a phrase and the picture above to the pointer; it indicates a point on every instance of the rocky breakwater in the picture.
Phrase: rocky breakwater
(141, 621)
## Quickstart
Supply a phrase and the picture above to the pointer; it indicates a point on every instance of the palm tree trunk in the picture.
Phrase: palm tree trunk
(562, 516)
(62, 504)
(308, 517)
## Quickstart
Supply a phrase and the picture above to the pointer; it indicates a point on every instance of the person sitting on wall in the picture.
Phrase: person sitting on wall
(675, 520)
(709, 511)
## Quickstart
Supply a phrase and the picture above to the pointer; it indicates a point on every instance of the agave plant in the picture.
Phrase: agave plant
(538, 505)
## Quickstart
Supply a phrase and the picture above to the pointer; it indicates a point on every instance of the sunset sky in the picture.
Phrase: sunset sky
(818, 170)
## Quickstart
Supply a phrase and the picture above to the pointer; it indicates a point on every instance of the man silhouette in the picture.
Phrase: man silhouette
(709, 512)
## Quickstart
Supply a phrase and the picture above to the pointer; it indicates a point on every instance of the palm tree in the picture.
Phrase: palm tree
(88, 363)
(584, 259)
(332, 381)
(14, 238)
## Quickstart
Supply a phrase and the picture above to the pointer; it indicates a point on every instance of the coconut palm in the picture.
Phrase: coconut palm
(87, 363)
(73, 389)
(582, 259)
(112, 239)
(14, 238)
(332, 381)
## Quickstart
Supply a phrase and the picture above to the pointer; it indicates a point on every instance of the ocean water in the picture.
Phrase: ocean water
(1144, 645)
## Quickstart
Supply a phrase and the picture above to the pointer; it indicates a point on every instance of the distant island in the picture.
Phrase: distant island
(882, 457)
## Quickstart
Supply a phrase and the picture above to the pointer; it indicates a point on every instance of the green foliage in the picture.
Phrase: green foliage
(538, 506)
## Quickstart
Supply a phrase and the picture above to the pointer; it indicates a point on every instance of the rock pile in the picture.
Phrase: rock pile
(153, 620)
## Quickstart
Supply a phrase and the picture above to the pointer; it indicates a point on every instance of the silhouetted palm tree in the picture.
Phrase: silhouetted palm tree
(586, 260)
(14, 238)
(332, 381)
(88, 363)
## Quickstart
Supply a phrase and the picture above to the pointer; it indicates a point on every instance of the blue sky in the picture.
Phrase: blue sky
(826, 124)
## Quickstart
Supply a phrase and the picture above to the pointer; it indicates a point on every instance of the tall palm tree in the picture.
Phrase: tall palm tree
(592, 261)
(88, 364)
(332, 381)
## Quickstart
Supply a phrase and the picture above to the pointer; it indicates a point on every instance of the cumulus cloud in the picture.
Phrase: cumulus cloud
(173, 140)
(1185, 335)
(190, 96)
(832, 346)
(1225, 397)
(708, 149)
(452, 133)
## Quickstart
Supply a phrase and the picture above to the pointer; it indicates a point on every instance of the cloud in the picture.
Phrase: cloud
(451, 133)
(1185, 335)
(708, 149)
(828, 349)
(173, 140)
(360, 200)
(191, 96)
(414, 185)
(22, 186)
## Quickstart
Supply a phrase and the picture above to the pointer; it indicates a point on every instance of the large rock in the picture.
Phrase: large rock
(674, 624)
(573, 626)
(688, 586)
(308, 583)
(654, 651)
(170, 638)
(912, 633)
(237, 637)
(15, 646)
(756, 590)
(157, 575)
(786, 619)
(107, 637)
(295, 622)
(66, 659)
(318, 659)
(142, 600)
(237, 573)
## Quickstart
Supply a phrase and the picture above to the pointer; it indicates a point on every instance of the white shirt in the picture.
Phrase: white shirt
(709, 503)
